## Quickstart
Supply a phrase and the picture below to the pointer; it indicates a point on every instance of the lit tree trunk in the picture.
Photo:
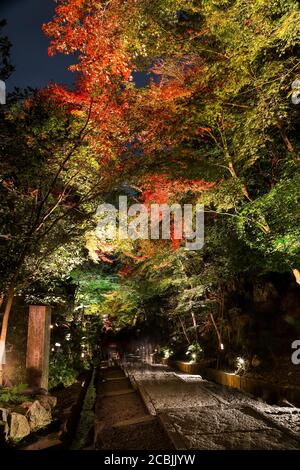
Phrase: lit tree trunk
(230, 167)
(6, 314)
(4, 327)
(195, 327)
(217, 330)
(284, 137)
(234, 175)
(296, 273)
(184, 330)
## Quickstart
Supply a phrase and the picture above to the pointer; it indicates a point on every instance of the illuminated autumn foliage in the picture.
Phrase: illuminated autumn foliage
(214, 121)
(161, 189)
(92, 33)
(97, 34)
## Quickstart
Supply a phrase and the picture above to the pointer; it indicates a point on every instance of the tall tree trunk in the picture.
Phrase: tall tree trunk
(284, 137)
(4, 327)
(217, 330)
(296, 273)
(222, 302)
(184, 330)
(195, 327)
(234, 175)
(9, 302)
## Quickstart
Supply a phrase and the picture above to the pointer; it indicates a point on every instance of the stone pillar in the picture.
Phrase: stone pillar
(38, 347)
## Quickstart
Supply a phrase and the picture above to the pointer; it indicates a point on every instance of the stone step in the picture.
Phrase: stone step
(110, 379)
(44, 444)
(137, 420)
(117, 393)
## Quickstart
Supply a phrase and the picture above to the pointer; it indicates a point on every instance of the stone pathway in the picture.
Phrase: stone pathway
(122, 420)
(203, 415)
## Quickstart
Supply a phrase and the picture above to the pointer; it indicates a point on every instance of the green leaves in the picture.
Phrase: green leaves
(93, 286)
(280, 209)
(13, 395)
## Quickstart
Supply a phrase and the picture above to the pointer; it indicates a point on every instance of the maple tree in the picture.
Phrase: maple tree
(92, 31)
(220, 112)
(185, 122)
(215, 125)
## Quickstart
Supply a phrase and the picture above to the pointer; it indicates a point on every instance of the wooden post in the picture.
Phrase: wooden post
(38, 347)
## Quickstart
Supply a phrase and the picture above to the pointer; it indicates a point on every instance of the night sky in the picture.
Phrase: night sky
(29, 53)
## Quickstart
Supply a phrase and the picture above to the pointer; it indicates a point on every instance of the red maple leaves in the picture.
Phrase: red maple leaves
(92, 32)
(122, 119)
(161, 189)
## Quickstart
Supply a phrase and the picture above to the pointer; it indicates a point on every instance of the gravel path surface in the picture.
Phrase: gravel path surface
(204, 415)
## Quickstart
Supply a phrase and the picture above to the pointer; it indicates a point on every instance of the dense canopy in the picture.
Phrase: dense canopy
(218, 125)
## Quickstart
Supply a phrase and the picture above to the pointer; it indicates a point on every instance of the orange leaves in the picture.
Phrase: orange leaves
(78, 113)
(169, 91)
(91, 29)
(202, 131)
(97, 32)
(175, 241)
(160, 189)
(159, 110)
